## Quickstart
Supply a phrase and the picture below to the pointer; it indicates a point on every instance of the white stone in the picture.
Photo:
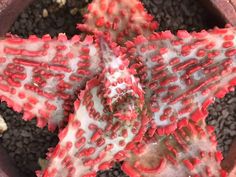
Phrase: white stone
(45, 13)
(61, 2)
(3, 125)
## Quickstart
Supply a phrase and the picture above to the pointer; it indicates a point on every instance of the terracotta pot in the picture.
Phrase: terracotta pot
(229, 163)
(9, 11)
(224, 11)
(7, 168)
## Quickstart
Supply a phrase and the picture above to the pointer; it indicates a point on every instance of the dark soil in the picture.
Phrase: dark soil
(26, 144)
(60, 19)
(180, 14)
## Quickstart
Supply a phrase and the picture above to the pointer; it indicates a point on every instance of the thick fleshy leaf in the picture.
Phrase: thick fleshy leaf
(96, 136)
(120, 19)
(41, 76)
(182, 74)
(189, 151)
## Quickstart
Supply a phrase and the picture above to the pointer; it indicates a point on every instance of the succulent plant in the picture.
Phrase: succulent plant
(180, 76)
(142, 96)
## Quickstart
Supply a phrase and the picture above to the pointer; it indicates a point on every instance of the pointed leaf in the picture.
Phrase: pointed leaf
(41, 76)
(182, 74)
(120, 19)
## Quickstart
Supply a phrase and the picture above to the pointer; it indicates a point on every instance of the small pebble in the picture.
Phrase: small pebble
(74, 11)
(232, 100)
(45, 13)
(61, 2)
(3, 125)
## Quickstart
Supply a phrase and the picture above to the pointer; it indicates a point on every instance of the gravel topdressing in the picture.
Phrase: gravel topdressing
(50, 17)
(180, 14)
(26, 143)
(222, 115)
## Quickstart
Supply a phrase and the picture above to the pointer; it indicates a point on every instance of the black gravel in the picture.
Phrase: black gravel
(26, 144)
(222, 115)
(60, 19)
(180, 14)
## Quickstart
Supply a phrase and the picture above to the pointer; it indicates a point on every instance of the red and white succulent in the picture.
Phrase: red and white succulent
(142, 96)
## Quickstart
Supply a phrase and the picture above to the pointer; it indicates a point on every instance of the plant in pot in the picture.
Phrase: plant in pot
(138, 96)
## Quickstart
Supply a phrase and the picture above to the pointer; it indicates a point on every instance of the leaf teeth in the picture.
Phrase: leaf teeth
(189, 151)
(121, 20)
(40, 76)
(183, 73)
